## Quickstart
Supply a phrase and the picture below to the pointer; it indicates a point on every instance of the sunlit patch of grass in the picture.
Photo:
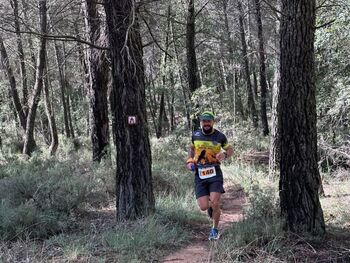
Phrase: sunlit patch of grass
(72, 246)
(146, 239)
(336, 203)
(181, 209)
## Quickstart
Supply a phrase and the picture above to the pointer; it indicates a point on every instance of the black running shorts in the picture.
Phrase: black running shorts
(203, 187)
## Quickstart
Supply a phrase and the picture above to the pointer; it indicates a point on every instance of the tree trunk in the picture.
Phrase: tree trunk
(134, 191)
(161, 115)
(274, 155)
(262, 71)
(255, 82)
(21, 57)
(29, 143)
(192, 67)
(98, 80)
(63, 83)
(50, 115)
(185, 91)
(30, 41)
(171, 103)
(300, 178)
(251, 104)
(13, 86)
(69, 112)
(231, 80)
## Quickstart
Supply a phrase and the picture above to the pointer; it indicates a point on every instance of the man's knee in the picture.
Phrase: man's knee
(215, 204)
(203, 203)
(203, 207)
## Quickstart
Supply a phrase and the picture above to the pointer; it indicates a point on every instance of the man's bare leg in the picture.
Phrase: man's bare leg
(203, 202)
(215, 205)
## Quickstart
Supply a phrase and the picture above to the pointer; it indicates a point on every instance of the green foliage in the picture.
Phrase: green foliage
(264, 203)
(260, 229)
(40, 197)
(179, 209)
(333, 68)
(145, 240)
(168, 157)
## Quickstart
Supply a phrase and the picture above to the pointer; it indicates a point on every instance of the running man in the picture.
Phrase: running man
(209, 147)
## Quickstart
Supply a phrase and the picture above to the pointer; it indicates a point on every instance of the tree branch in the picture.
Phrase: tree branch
(200, 10)
(154, 39)
(326, 24)
(57, 37)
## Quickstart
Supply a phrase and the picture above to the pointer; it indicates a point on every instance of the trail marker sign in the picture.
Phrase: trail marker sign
(132, 120)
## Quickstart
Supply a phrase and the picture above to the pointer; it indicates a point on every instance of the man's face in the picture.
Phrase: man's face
(207, 124)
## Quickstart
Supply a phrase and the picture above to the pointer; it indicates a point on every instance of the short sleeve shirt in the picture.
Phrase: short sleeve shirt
(207, 146)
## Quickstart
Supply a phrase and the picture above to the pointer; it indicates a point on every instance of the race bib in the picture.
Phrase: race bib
(207, 172)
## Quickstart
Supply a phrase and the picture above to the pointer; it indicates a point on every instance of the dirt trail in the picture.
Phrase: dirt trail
(199, 251)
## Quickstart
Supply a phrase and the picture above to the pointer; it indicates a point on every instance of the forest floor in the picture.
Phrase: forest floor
(201, 249)
(178, 232)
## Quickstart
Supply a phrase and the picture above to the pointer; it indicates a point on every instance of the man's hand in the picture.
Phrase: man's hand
(191, 166)
(221, 156)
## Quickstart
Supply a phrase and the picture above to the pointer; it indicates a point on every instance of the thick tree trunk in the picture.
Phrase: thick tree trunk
(192, 67)
(29, 143)
(300, 178)
(262, 71)
(50, 116)
(134, 191)
(98, 80)
(251, 104)
(13, 86)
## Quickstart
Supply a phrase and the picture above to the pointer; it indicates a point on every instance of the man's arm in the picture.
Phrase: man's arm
(190, 152)
(190, 160)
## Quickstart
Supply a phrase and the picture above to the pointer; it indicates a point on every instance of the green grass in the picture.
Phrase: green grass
(54, 197)
(145, 240)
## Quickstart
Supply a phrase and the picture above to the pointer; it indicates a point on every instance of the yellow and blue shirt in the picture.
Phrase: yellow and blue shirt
(207, 146)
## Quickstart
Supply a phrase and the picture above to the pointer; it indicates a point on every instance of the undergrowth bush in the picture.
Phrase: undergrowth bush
(260, 229)
(40, 197)
(145, 240)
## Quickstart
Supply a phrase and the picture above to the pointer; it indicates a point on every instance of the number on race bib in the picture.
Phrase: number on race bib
(207, 172)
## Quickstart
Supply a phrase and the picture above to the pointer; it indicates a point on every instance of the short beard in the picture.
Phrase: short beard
(208, 131)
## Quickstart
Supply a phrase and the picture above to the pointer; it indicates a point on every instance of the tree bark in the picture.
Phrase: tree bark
(262, 71)
(134, 191)
(231, 82)
(251, 104)
(69, 111)
(185, 91)
(13, 86)
(50, 115)
(162, 114)
(29, 143)
(62, 81)
(21, 57)
(192, 66)
(30, 41)
(300, 178)
(274, 155)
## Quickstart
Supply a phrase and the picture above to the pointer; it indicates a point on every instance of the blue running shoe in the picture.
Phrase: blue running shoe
(214, 234)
